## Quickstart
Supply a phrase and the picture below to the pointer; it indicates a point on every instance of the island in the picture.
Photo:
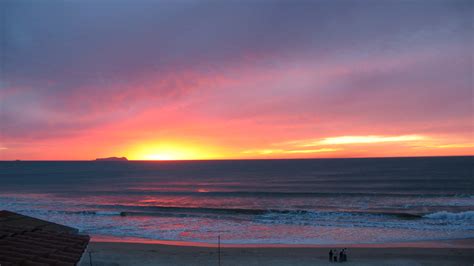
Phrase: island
(112, 159)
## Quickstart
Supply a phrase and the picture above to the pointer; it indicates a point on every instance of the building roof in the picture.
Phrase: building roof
(29, 241)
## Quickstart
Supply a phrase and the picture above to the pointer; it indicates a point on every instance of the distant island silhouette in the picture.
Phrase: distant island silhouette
(112, 159)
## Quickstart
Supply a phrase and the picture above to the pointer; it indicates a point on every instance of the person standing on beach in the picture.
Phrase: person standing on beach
(330, 255)
(341, 255)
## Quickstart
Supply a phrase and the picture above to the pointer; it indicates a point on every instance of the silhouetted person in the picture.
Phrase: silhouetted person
(335, 255)
(341, 256)
(330, 255)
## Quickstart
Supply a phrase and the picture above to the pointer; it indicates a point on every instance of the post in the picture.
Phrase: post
(219, 249)
(90, 258)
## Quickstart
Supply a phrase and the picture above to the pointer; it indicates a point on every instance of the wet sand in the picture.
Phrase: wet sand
(450, 252)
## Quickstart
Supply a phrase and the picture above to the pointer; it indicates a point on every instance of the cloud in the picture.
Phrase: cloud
(349, 140)
(366, 140)
(302, 70)
(332, 144)
(113, 42)
(363, 146)
(293, 151)
(457, 145)
(313, 150)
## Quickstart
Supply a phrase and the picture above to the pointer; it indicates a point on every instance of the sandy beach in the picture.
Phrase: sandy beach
(451, 252)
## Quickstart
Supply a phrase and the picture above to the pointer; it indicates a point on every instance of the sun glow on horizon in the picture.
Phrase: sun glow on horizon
(170, 151)
(333, 147)
(161, 157)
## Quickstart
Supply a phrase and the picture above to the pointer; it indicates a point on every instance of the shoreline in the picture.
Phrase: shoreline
(444, 243)
(450, 252)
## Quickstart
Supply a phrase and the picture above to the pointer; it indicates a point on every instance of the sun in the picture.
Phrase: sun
(160, 157)
(171, 150)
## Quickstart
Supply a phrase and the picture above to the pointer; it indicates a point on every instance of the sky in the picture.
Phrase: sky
(174, 80)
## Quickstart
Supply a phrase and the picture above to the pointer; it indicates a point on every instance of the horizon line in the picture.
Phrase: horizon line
(245, 159)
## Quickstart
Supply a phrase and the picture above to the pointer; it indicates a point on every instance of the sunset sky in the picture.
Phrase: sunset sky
(159, 80)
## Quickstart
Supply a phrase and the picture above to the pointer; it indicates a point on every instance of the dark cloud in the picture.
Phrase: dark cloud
(76, 42)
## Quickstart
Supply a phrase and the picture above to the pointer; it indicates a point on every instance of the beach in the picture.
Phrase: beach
(449, 252)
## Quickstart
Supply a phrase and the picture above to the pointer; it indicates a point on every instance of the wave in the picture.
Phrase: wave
(157, 210)
(250, 213)
(436, 221)
(124, 210)
(190, 211)
(280, 194)
(273, 214)
(87, 212)
(444, 215)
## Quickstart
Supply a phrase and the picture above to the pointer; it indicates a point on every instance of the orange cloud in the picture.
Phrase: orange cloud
(284, 111)
(365, 139)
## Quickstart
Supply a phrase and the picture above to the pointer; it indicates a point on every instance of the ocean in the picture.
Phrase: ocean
(312, 201)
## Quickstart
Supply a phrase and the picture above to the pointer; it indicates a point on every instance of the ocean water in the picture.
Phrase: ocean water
(321, 201)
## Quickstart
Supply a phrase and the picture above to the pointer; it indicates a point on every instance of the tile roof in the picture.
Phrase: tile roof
(29, 241)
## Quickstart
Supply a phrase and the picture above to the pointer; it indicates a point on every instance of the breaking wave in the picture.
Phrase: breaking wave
(444, 215)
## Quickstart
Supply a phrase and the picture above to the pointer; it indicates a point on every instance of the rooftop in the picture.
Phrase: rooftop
(29, 241)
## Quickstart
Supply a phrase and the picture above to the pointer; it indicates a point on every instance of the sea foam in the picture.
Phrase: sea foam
(444, 215)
